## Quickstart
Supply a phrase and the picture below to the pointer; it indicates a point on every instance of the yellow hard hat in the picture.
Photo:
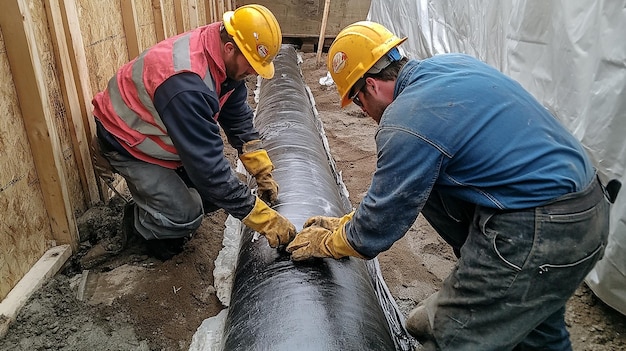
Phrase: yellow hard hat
(355, 50)
(257, 35)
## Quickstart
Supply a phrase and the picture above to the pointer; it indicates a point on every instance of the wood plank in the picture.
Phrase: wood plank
(220, 10)
(82, 79)
(80, 140)
(178, 17)
(24, 59)
(47, 266)
(157, 11)
(129, 18)
(320, 43)
(302, 18)
(192, 8)
(210, 11)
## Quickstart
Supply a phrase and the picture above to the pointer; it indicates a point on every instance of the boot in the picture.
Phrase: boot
(162, 249)
(420, 320)
(165, 249)
(418, 325)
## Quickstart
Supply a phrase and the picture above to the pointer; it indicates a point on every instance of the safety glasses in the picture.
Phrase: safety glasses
(354, 92)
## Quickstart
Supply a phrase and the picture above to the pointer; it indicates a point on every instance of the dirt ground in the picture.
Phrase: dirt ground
(132, 302)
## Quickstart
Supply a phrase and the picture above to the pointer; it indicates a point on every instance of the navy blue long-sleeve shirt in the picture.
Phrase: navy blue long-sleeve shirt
(187, 108)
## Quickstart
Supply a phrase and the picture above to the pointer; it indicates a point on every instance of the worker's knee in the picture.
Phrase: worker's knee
(153, 224)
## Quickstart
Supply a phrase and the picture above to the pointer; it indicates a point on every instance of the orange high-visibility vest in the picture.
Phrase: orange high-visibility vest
(126, 108)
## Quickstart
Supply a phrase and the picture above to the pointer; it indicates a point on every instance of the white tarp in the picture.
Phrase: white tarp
(570, 54)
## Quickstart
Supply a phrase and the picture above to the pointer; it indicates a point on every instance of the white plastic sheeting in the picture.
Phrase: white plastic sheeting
(570, 54)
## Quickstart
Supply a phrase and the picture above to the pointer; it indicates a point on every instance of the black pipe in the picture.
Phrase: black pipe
(277, 304)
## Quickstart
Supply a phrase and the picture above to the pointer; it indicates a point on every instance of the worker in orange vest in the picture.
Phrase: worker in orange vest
(158, 126)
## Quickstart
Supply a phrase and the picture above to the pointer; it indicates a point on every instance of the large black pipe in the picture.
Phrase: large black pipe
(277, 304)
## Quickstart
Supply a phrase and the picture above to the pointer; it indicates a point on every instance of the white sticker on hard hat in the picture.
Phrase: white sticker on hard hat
(262, 50)
(339, 61)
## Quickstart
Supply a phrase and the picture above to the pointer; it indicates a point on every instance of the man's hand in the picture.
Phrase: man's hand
(330, 223)
(277, 229)
(258, 164)
(320, 242)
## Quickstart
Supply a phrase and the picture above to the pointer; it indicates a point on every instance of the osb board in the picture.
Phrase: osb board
(57, 106)
(24, 225)
(104, 39)
(304, 18)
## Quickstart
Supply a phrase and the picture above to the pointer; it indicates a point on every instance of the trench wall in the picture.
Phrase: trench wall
(54, 55)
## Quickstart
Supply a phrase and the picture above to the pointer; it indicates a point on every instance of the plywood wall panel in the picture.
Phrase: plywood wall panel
(24, 225)
(57, 106)
(60, 47)
(104, 39)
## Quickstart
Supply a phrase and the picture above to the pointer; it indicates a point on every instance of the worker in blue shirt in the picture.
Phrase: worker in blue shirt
(494, 173)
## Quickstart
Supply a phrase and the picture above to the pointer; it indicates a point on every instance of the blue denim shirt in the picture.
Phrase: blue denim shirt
(462, 127)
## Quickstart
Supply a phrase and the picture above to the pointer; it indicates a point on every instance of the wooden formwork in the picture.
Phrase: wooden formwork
(54, 55)
(305, 22)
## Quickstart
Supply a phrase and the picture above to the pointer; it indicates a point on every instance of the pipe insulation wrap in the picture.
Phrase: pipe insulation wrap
(277, 304)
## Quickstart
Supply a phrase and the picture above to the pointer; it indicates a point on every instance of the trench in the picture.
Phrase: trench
(324, 304)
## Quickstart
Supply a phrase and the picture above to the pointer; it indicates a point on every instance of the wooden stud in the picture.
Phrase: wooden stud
(24, 59)
(79, 63)
(320, 43)
(157, 12)
(220, 9)
(80, 140)
(129, 18)
(192, 6)
(178, 17)
(47, 266)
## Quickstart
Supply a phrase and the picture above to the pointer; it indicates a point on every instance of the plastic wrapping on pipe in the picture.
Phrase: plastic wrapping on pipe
(277, 304)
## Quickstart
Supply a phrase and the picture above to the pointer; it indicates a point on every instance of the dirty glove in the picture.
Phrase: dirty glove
(276, 228)
(316, 241)
(330, 223)
(258, 164)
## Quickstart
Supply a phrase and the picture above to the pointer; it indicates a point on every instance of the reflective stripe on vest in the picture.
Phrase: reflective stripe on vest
(157, 141)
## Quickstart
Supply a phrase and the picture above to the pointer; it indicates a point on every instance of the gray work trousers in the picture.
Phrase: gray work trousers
(166, 207)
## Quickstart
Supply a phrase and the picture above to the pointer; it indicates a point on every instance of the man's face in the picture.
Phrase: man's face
(370, 103)
(237, 67)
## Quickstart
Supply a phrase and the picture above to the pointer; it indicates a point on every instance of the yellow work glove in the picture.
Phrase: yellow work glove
(315, 241)
(330, 223)
(258, 164)
(277, 229)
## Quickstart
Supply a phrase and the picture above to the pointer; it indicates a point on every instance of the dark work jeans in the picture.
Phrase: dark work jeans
(516, 270)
